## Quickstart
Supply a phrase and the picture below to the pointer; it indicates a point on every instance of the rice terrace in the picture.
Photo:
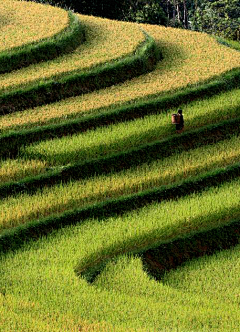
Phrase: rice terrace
(110, 220)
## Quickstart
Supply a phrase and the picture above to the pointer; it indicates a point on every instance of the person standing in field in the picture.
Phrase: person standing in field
(180, 125)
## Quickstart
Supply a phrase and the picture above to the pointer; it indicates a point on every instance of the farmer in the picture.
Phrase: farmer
(180, 125)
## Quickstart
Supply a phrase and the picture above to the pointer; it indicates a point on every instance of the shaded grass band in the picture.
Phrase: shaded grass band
(209, 134)
(15, 238)
(64, 42)
(157, 261)
(74, 84)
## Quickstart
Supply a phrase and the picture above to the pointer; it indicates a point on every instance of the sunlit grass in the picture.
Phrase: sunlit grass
(106, 40)
(57, 199)
(18, 22)
(213, 276)
(216, 276)
(20, 314)
(43, 272)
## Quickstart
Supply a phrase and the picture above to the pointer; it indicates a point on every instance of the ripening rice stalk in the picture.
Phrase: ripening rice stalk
(188, 58)
(18, 22)
(16, 169)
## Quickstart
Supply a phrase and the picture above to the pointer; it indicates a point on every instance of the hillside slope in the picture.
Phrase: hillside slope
(102, 203)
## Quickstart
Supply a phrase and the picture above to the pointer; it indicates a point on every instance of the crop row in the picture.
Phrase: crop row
(15, 231)
(105, 141)
(104, 41)
(78, 194)
(20, 186)
(124, 160)
(80, 83)
(171, 255)
(200, 112)
(147, 190)
(144, 176)
(63, 42)
(211, 277)
(175, 218)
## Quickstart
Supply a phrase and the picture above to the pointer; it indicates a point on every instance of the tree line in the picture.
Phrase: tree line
(217, 17)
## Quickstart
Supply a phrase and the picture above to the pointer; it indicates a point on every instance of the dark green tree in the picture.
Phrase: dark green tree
(104, 8)
(146, 12)
(218, 17)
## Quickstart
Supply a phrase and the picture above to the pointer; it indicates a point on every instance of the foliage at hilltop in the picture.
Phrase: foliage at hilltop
(221, 18)
(218, 17)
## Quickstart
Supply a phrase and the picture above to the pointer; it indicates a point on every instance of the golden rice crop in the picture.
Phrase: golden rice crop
(38, 287)
(189, 57)
(15, 169)
(105, 40)
(15, 313)
(26, 22)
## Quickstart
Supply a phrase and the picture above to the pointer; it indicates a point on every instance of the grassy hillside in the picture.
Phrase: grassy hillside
(104, 209)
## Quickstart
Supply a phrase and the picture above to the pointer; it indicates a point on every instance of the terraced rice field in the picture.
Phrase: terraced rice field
(186, 50)
(104, 209)
(105, 41)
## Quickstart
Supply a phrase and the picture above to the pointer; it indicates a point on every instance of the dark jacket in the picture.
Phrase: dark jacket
(180, 125)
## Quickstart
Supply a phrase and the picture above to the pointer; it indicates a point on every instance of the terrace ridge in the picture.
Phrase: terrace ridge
(63, 42)
(80, 82)
(155, 105)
